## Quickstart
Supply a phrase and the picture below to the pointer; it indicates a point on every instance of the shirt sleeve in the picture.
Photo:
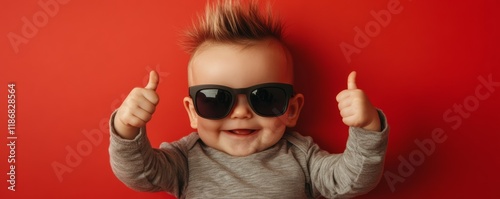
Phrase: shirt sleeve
(354, 172)
(143, 168)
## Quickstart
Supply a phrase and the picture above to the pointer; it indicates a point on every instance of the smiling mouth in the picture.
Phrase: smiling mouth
(242, 131)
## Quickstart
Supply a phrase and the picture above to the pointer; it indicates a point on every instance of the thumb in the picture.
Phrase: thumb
(351, 81)
(153, 80)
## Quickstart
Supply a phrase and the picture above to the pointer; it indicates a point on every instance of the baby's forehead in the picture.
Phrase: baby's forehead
(262, 57)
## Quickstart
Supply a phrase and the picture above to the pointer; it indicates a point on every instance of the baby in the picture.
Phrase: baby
(241, 101)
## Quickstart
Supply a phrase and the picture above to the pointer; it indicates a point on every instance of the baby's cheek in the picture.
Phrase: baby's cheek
(278, 124)
(208, 130)
(208, 125)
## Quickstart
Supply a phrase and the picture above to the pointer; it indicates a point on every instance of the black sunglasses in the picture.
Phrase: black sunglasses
(216, 101)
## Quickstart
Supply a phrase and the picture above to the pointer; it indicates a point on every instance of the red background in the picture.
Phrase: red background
(82, 61)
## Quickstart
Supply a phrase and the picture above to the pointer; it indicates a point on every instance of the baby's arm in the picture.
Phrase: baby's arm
(354, 172)
(132, 158)
(360, 167)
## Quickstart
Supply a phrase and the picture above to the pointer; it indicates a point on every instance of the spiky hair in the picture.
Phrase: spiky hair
(230, 21)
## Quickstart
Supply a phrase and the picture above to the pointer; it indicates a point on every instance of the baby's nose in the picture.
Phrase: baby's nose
(241, 108)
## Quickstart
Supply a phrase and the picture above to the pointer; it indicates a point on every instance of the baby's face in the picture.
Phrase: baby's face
(242, 132)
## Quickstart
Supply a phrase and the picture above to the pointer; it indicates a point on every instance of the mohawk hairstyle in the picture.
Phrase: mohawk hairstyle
(230, 21)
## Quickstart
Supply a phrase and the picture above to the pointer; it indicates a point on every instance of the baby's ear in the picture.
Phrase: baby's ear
(294, 107)
(189, 106)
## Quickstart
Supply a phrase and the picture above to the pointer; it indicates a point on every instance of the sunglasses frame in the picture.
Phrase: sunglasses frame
(287, 88)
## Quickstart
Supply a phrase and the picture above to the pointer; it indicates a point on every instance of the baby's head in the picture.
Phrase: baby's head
(232, 48)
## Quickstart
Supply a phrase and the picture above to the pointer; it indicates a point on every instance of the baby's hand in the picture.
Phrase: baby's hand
(137, 109)
(355, 108)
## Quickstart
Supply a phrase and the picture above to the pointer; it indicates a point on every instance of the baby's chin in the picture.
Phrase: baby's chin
(241, 142)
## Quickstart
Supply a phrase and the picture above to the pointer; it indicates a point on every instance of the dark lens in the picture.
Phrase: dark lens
(213, 103)
(269, 101)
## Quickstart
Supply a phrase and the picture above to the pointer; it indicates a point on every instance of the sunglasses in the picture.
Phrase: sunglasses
(216, 101)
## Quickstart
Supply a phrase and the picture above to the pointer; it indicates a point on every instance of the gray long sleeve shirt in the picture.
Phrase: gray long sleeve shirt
(295, 167)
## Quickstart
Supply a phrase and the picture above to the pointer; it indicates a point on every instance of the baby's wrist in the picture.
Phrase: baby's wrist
(374, 125)
(123, 130)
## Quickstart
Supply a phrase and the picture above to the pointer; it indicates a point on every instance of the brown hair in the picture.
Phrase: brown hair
(232, 22)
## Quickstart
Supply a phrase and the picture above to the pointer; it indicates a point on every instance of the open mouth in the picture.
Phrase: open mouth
(242, 131)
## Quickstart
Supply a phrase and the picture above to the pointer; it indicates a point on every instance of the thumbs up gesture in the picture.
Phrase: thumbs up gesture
(355, 108)
(137, 109)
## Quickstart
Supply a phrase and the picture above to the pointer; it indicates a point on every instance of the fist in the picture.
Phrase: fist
(355, 108)
(137, 109)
